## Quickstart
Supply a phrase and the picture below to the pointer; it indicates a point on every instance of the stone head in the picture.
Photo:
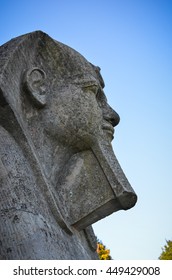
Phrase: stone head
(56, 88)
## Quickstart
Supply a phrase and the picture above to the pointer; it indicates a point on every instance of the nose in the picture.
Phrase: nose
(110, 115)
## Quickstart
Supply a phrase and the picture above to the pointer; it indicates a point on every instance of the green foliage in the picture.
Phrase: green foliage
(166, 251)
(103, 252)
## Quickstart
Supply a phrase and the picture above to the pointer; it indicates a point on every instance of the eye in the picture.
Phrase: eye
(92, 88)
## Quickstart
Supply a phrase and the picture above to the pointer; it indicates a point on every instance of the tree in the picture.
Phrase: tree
(103, 252)
(166, 251)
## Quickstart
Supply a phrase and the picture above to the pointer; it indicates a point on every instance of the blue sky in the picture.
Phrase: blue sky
(131, 41)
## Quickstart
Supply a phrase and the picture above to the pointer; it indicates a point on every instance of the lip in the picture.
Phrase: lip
(108, 128)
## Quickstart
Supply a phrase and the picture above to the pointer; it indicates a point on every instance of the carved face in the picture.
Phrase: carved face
(79, 112)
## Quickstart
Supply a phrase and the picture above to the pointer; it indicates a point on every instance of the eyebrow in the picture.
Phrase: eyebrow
(87, 82)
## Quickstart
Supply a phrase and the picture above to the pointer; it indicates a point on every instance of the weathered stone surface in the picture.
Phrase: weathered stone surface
(58, 172)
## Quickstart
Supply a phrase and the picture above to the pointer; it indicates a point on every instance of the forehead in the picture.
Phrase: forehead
(75, 68)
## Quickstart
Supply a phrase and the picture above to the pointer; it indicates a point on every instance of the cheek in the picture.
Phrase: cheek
(86, 114)
(75, 117)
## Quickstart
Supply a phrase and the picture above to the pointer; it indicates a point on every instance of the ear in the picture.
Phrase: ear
(34, 83)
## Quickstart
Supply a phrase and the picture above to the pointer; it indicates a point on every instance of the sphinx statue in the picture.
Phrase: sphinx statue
(58, 171)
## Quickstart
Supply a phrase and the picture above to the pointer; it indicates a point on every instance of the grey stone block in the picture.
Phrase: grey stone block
(58, 171)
